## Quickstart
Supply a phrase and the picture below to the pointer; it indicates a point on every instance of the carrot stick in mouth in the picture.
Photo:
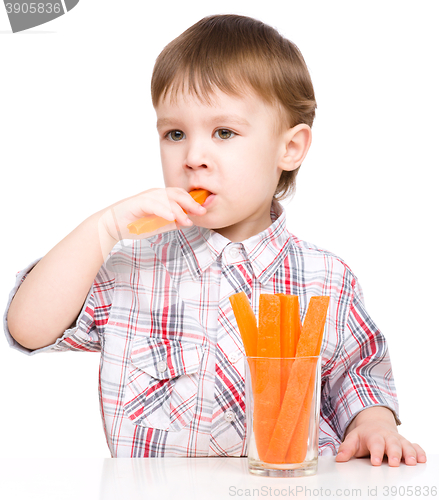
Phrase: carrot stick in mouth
(151, 223)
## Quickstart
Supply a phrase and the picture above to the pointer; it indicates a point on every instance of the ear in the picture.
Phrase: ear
(295, 145)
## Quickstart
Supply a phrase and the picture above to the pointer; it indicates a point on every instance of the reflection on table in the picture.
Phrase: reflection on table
(205, 479)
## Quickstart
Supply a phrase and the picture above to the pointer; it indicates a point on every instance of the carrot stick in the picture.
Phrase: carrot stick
(301, 375)
(290, 328)
(152, 222)
(269, 326)
(299, 443)
(246, 320)
(314, 325)
(267, 373)
(298, 446)
(290, 324)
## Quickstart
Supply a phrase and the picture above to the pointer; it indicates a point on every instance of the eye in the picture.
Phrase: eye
(224, 133)
(175, 135)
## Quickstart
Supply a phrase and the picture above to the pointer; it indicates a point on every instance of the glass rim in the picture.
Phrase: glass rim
(292, 357)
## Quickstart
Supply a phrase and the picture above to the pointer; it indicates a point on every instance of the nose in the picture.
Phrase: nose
(197, 156)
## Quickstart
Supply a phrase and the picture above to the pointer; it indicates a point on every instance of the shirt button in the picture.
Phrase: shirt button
(162, 366)
(229, 416)
(234, 253)
(233, 357)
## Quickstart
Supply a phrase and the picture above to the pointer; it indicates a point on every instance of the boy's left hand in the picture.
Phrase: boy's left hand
(373, 432)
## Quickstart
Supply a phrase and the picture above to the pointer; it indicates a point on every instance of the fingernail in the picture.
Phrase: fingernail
(189, 222)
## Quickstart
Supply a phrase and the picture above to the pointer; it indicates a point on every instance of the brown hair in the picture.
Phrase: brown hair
(232, 53)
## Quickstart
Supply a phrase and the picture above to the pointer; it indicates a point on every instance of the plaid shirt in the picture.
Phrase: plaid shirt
(171, 378)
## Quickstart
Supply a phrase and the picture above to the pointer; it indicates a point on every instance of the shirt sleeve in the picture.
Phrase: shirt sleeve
(89, 326)
(363, 375)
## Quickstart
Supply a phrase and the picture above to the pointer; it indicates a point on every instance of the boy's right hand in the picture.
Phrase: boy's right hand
(167, 203)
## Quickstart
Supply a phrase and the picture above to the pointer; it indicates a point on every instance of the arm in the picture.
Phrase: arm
(52, 295)
(373, 432)
(44, 307)
(369, 415)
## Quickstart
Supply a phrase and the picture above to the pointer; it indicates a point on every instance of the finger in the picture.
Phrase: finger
(164, 211)
(161, 210)
(185, 200)
(376, 446)
(181, 203)
(421, 456)
(180, 215)
(195, 208)
(393, 451)
(348, 448)
(409, 453)
(150, 204)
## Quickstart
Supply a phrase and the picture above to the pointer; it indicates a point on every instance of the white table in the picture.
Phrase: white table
(206, 479)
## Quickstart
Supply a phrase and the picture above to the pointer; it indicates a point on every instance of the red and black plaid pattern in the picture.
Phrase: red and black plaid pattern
(171, 378)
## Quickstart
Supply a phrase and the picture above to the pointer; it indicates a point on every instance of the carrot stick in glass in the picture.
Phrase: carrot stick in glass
(246, 321)
(297, 449)
(290, 328)
(301, 374)
(267, 373)
(298, 446)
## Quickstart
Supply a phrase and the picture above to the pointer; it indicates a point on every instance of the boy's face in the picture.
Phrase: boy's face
(233, 148)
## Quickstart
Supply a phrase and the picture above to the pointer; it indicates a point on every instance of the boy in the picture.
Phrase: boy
(235, 106)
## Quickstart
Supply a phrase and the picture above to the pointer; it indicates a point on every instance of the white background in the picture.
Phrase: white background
(77, 133)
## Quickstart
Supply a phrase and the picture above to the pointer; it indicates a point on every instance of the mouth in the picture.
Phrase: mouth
(194, 187)
(209, 199)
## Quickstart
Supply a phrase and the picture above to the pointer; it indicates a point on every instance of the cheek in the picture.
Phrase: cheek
(251, 166)
(243, 189)
(258, 167)
(165, 155)
(262, 151)
(169, 164)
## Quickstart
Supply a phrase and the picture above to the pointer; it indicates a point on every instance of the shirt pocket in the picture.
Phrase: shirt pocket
(162, 385)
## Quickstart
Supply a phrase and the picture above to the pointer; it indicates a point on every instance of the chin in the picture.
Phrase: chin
(209, 222)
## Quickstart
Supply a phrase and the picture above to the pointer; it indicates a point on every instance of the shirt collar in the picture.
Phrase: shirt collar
(265, 251)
